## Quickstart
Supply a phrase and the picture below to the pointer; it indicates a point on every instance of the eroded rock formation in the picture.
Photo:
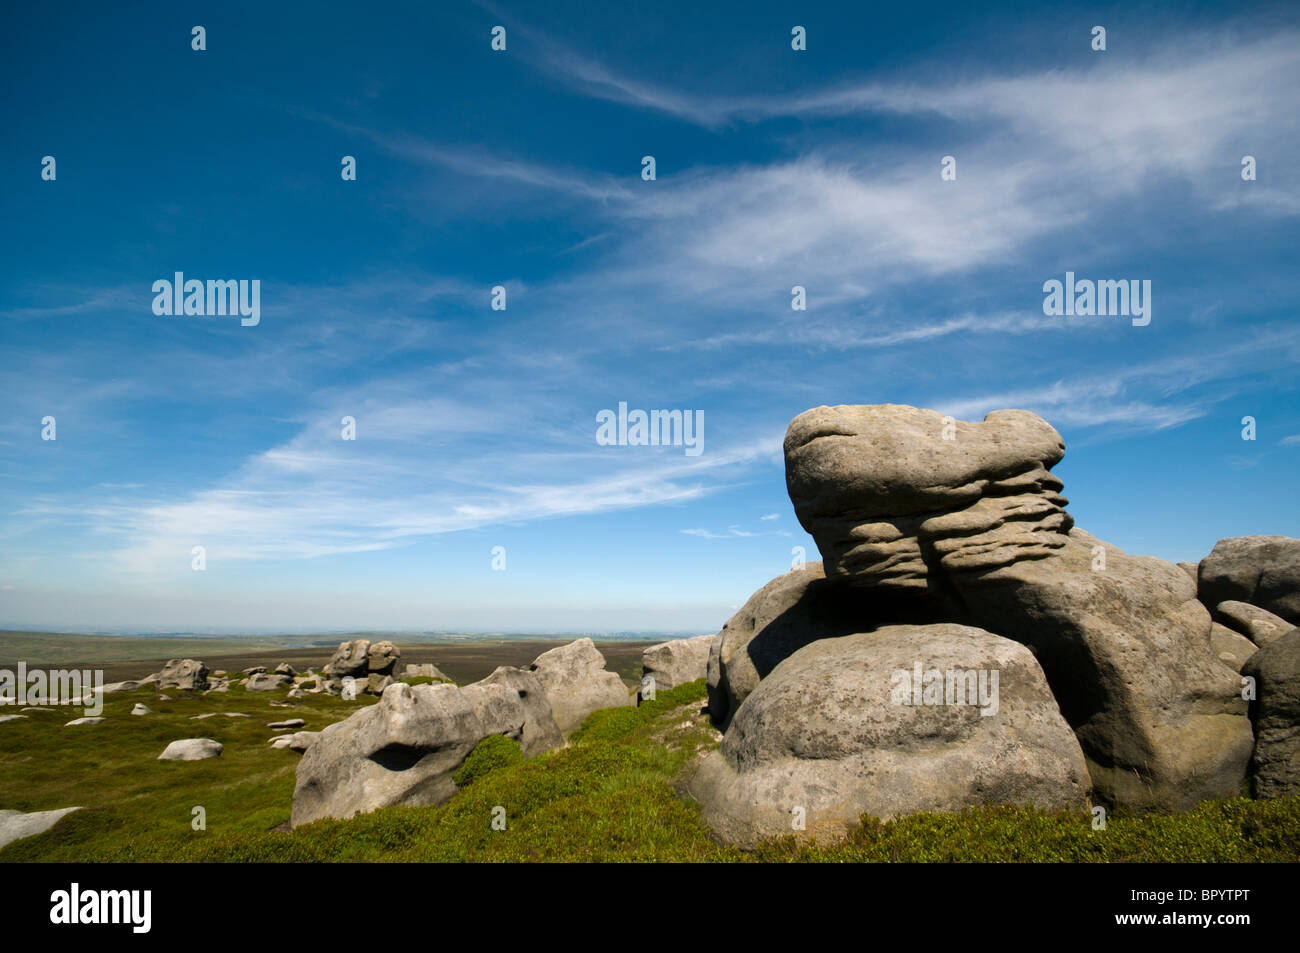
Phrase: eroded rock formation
(924, 520)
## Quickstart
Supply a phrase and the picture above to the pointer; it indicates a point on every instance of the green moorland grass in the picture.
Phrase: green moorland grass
(610, 795)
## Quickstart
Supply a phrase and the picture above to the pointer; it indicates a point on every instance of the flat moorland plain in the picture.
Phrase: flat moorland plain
(125, 657)
(614, 793)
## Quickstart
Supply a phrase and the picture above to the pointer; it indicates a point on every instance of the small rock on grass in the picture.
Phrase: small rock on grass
(191, 749)
(15, 825)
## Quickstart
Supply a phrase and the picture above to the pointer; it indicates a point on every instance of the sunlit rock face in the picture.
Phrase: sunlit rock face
(922, 519)
(889, 491)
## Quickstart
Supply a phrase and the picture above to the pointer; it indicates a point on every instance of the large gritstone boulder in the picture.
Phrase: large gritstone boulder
(577, 683)
(1261, 570)
(677, 662)
(183, 674)
(923, 519)
(382, 658)
(405, 749)
(888, 722)
(350, 659)
(267, 683)
(1127, 650)
(540, 733)
(1276, 670)
(893, 494)
(1258, 625)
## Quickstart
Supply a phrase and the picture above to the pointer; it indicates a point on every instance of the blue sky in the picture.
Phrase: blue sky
(522, 168)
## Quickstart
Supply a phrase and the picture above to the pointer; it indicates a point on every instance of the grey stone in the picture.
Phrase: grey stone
(375, 683)
(350, 658)
(129, 686)
(1232, 647)
(191, 749)
(1258, 625)
(382, 658)
(677, 662)
(834, 731)
(85, 721)
(4, 719)
(1263, 571)
(15, 825)
(977, 525)
(884, 494)
(540, 732)
(1276, 759)
(1128, 654)
(300, 741)
(140, 709)
(287, 723)
(788, 613)
(188, 675)
(267, 683)
(403, 750)
(577, 683)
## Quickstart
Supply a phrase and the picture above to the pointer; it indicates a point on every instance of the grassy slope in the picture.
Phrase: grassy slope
(610, 796)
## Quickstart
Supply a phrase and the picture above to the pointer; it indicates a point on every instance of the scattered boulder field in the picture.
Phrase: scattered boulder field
(960, 643)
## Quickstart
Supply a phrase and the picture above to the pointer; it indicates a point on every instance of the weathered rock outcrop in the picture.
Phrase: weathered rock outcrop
(1258, 625)
(382, 658)
(892, 494)
(267, 683)
(184, 674)
(577, 683)
(1276, 712)
(1263, 571)
(1127, 651)
(1233, 648)
(676, 662)
(788, 613)
(860, 724)
(541, 732)
(405, 749)
(350, 658)
(370, 664)
(921, 520)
